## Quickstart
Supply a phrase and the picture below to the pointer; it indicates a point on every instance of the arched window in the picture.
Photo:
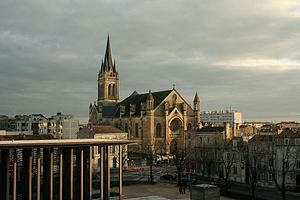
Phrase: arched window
(158, 130)
(136, 130)
(189, 127)
(109, 90)
(113, 90)
(175, 126)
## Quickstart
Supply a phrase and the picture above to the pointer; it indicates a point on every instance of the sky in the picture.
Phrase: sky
(243, 55)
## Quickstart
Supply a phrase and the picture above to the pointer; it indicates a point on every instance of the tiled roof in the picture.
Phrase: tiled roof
(105, 129)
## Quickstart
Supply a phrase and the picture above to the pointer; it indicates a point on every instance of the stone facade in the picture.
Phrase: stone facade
(156, 120)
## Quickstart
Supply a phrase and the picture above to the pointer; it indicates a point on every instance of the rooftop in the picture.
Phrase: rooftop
(60, 143)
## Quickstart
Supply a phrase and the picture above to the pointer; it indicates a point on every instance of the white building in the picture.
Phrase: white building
(59, 125)
(106, 132)
(234, 118)
(215, 117)
(63, 125)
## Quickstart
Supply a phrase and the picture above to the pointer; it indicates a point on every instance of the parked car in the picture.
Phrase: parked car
(188, 181)
(168, 177)
(220, 182)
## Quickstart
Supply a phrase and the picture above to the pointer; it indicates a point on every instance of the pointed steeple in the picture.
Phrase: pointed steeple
(196, 103)
(150, 101)
(150, 96)
(196, 99)
(101, 70)
(108, 60)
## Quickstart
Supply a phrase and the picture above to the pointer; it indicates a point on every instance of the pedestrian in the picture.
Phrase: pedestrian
(180, 189)
(184, 189)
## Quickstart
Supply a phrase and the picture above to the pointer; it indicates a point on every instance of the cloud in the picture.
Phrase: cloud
(243, 54)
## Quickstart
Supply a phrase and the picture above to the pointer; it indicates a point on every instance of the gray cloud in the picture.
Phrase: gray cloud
(243, 54)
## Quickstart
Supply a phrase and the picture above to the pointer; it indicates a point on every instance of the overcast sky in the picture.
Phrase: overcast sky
(239, 54)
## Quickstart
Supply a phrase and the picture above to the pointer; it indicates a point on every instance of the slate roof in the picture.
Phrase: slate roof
(136, 99)
(262, 138)
(109, 111)
(209, 129)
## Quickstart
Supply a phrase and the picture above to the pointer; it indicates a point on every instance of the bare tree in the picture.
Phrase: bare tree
(227, 157)
(280, 163)
(179, 156)
(251, 159)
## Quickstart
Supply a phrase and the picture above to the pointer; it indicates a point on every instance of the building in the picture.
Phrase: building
(106, 132)
(234, 118)
(221, 117)
(63, 125)
(206, 141)
(156, 120)
(59, 125)
(277, 157)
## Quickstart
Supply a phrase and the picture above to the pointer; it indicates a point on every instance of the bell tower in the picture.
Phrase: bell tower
(108, 79)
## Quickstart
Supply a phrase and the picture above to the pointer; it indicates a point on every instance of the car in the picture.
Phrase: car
(221, 183)
(168, 177)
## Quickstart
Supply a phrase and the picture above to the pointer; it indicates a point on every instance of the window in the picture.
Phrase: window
(126, 127)
(270, 177)
(113, 90)
(158, 130)
(234, 169)
(297, 141)
(189, 135)
(262, 177)
(297, 164)
(109, 90)
(136, 130)
(286, 141)
(189, 127)
(175, 125)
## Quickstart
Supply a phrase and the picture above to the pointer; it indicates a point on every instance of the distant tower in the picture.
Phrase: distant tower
(108, 79)
(197, 111)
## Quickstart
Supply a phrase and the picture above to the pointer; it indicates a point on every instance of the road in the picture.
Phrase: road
(143, 174)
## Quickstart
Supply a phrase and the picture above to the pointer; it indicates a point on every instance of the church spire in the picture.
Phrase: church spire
(108, 64)
(196, 102)
(196, 99)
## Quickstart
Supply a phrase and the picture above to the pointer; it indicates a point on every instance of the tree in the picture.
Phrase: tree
(282, 155)
(284, 158)
(179, 156)
(227, 157)
(251, 159)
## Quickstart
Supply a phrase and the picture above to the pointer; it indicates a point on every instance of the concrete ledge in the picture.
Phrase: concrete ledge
(205, 192)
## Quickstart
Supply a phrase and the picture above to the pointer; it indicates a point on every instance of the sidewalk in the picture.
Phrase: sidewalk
(159, 191)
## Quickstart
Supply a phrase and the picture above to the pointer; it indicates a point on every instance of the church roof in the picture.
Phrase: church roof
(109, 110)
(137, 99)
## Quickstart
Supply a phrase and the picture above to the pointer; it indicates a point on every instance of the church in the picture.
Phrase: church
(156, 120)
